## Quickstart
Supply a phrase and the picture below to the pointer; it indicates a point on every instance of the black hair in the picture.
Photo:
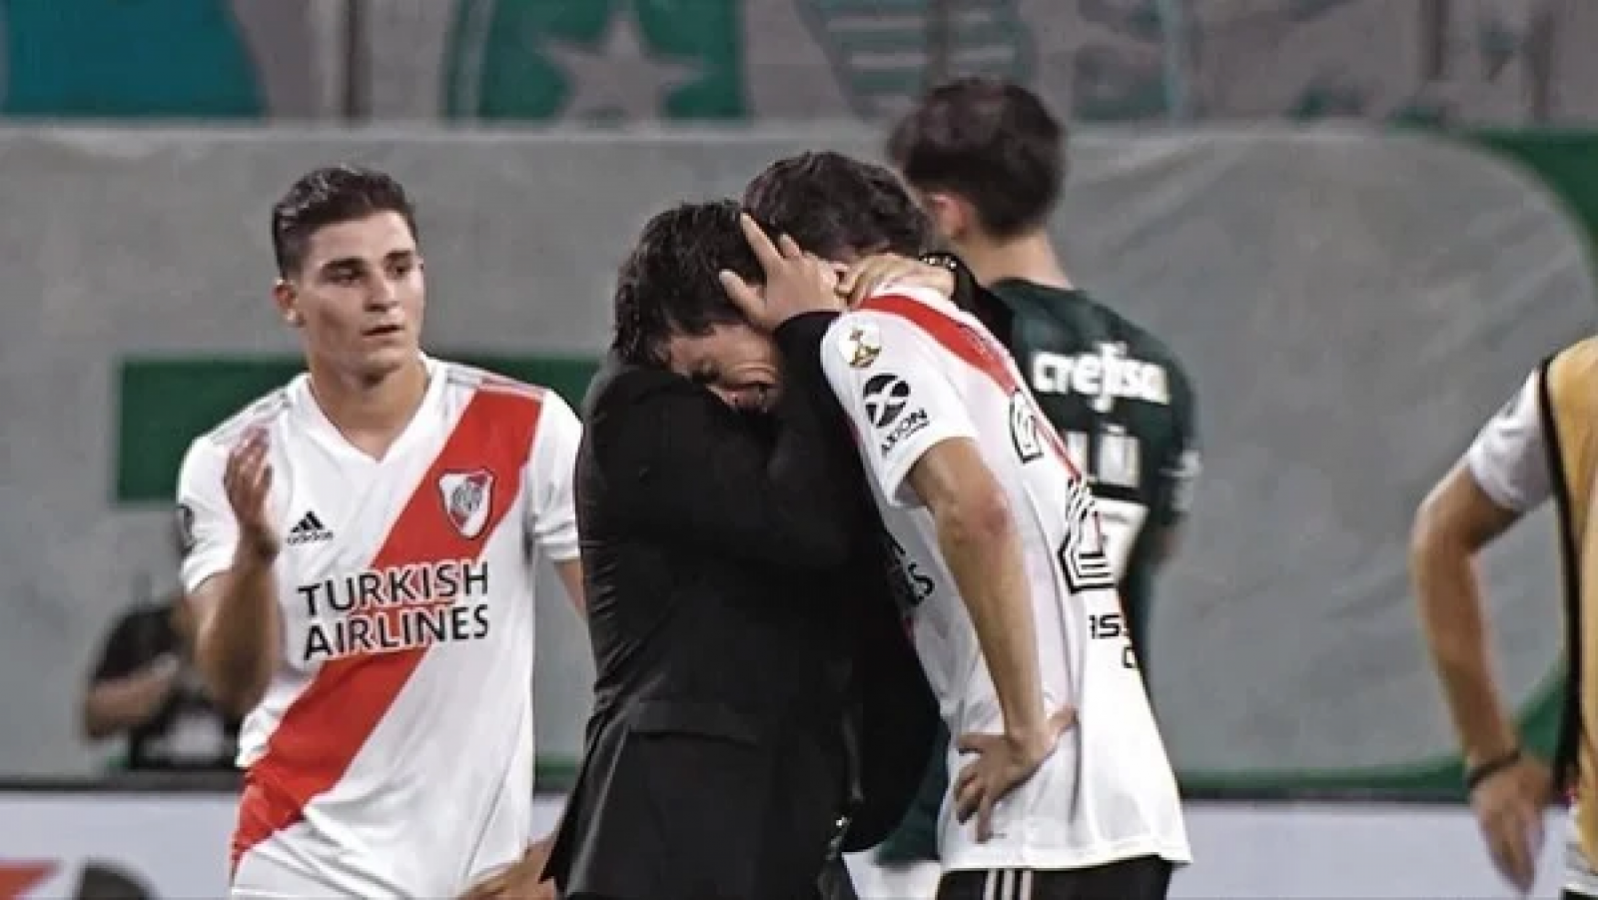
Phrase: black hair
(834, 205)
(991, 142)
(668, 284)
(331, 196)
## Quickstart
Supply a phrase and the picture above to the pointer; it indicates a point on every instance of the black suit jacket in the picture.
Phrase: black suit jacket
(734, 579)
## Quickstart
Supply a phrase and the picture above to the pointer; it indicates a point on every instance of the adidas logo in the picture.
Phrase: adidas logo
(308, 530)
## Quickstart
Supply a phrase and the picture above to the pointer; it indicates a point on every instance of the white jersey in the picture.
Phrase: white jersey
(392, 754)
(913, 371)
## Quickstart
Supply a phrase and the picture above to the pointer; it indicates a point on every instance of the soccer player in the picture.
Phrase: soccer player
(1016, 613)
(988, 161)
(359, 552)
(1534, 448)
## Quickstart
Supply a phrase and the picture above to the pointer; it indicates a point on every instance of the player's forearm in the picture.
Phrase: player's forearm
(983, 551)
(237, 643)
(116, 704)
(1450, 602)
(570, 572)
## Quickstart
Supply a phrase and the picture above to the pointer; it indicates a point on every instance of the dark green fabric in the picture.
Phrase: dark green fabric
(1124, 404)
(917, 836)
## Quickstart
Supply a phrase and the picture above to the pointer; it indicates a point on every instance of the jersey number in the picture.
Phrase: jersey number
(1112, 627)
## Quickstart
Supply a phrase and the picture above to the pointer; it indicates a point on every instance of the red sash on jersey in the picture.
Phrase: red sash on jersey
(328, 723)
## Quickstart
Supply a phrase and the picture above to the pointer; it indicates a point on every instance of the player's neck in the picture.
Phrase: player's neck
(1029, 257)
(370, 414)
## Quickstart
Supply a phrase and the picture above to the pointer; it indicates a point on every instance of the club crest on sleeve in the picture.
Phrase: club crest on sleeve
(860, 345)
(1024, 435)
(468, 497)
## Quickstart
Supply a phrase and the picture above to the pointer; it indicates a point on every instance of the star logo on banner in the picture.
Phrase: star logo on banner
(616, 77)
(16, 878)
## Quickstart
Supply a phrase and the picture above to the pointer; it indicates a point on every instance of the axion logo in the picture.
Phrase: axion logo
(884, 398)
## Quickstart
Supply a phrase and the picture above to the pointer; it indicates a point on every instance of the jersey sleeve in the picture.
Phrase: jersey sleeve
(893, 384)
(551, 468)
(207, 529)
(1508, 460)
(1180, 466)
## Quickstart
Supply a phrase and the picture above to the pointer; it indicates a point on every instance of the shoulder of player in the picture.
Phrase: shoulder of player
(619, 386)
(1151, 349)
(261, 412)
(1144, 346)
(1141, 343)
(631, 410)
(896, 309)
(858, 337)
(471, 380)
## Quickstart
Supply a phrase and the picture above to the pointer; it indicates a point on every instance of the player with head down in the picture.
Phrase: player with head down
(1016, 593)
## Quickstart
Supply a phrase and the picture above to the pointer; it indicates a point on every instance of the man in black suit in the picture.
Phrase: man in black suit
(755, 692)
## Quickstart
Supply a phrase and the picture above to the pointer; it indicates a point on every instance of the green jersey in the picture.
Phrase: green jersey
(1126, 410)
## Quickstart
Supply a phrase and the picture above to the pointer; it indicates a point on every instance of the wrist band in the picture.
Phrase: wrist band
(965, 283)
(1477, 774)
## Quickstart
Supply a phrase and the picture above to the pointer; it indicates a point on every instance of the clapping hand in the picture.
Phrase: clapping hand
(247, 480)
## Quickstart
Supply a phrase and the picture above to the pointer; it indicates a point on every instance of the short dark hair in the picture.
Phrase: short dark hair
(832, 204)
(992, 142)
(668, 284)
(331, 196)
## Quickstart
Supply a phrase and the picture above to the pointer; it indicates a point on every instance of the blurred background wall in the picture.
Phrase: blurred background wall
(1359, 222)
(1506, 62)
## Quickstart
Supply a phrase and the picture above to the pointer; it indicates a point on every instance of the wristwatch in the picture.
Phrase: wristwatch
(965, 283)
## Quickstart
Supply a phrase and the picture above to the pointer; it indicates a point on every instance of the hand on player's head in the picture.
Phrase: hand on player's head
(871, 273)
(795, 282)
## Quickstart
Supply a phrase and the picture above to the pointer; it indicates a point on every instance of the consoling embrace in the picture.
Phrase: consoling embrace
(801, 406)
